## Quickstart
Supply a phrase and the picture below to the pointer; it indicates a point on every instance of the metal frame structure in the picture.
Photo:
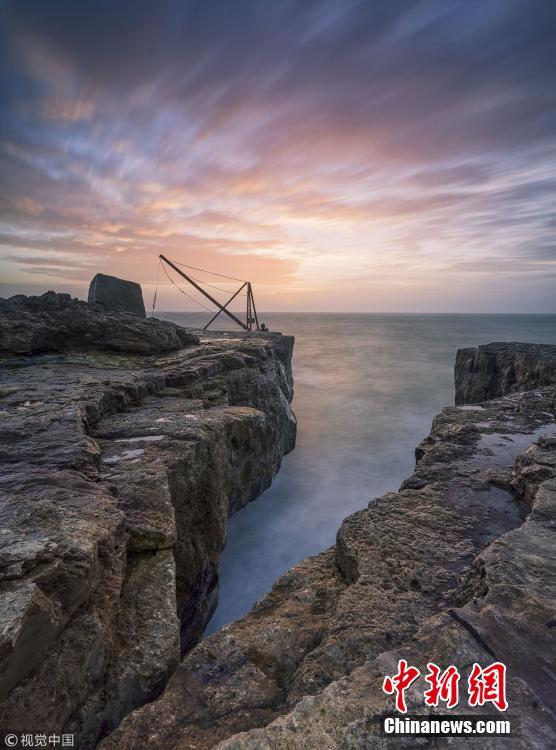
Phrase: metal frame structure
(251, 311)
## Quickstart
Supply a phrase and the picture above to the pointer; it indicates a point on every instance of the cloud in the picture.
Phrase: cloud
(286, 141)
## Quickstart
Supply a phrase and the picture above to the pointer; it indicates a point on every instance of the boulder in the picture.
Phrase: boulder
(116, 295)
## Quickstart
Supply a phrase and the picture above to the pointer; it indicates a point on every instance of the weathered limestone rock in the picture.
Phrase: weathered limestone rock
(456, 567)
(118, 474)
(493, 370)
(506, 615)
(57, 322)
(116, 295)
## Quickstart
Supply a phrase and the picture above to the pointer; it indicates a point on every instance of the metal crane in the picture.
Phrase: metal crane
(251, 318)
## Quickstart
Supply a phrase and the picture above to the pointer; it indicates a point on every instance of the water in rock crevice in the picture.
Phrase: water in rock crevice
(366, 389)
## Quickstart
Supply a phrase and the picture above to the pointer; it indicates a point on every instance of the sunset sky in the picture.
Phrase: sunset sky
(384, 155)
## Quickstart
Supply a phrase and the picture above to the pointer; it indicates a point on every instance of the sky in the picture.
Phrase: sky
(376, 155)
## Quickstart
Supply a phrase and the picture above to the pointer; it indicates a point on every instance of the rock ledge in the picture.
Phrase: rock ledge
(57, 322)
(456, 567)
(119, 469)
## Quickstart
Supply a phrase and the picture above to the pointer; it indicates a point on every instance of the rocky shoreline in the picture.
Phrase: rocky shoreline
(120, 465)
(126, 444)
(456, 567)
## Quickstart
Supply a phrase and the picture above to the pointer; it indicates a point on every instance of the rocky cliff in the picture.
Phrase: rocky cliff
(57, 322)
(125, 445)
(456, 567)
(493, 370)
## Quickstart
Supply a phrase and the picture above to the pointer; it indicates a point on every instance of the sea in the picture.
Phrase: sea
(367, 387)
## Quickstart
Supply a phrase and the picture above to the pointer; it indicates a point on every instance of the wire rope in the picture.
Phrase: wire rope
(204, 270)
(156, 287)
(178, 287)
(218, 288)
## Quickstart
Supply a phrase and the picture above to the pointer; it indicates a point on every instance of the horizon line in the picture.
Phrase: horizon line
(361, 312)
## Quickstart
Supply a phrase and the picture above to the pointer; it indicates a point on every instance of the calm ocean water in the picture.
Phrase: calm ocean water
(366, 389)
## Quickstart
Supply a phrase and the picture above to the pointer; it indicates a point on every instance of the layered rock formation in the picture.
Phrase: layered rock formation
(457, 567)
(118, 474)
(493, 370)
(57, 322)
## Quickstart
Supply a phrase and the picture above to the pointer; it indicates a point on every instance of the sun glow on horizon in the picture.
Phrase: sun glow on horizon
(355, 158)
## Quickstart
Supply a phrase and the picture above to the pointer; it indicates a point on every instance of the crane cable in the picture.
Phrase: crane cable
(156, 287)
(218, 288)
(232, 278)
(185, 293)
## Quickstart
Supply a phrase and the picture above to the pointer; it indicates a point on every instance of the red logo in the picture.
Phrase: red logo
(400, 682)
(443, 687)
(486, 685)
